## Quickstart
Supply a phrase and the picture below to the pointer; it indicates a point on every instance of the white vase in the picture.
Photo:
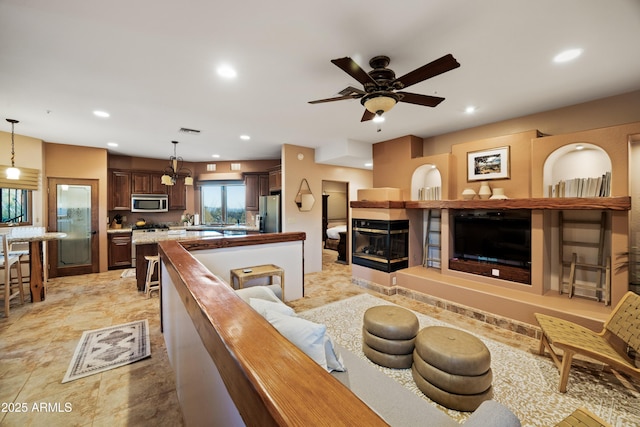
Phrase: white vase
(498, 193)
(468, 194)
(485, 190)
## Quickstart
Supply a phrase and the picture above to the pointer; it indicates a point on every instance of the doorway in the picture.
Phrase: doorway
(73, 209)
(335, 222)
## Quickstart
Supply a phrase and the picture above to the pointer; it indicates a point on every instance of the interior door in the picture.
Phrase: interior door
(73, 209)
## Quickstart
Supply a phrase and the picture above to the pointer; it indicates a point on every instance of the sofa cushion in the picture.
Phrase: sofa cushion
(262, 306)
(306, 335)
(262, 292)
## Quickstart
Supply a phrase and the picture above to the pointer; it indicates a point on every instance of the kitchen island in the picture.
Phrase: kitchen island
(146, 244)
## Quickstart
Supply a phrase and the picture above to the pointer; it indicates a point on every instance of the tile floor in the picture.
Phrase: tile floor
(38, 340)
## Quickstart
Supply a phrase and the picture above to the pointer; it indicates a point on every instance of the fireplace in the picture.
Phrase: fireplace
(494, 243)
(380, 245)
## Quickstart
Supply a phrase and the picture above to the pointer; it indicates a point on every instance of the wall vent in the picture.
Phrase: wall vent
(235, 166)
(189, 131)
(211, 167)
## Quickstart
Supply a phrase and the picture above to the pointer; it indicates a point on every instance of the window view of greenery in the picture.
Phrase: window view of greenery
(14, 205)
(223, 203)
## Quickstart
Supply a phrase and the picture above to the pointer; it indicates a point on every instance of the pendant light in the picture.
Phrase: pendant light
(13, 172)
(171, 172)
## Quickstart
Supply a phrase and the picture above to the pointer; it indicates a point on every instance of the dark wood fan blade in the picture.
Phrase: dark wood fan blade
(368, 115)
(350, 67)
(415, 98)
(352, 90)
(432, 69)
(337, 98)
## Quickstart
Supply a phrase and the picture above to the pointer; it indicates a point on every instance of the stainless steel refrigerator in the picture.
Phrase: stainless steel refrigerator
(270, 214)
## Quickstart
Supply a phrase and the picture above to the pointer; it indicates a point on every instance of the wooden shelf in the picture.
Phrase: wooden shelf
(610, 203)
(378, 204)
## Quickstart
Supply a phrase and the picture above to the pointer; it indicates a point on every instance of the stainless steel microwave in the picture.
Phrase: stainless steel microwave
(149, 203)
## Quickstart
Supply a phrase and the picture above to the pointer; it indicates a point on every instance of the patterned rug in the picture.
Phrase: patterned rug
(129, 272)
(107, 348)
(527, 383)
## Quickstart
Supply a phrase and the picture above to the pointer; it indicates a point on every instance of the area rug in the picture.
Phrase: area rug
(107, 348)
(129, 272)
(525, 382)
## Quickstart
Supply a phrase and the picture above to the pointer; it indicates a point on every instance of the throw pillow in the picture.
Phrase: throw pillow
(262, 306)
(306, 335)
(334, 359)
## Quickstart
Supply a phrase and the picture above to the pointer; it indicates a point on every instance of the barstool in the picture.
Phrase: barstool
(149, 284)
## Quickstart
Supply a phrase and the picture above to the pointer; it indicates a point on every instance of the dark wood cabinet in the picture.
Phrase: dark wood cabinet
(119, 250)
(256, 185)
(275, 180)
(120, 190)
(177, 195)
(142, 263)
(147, 183)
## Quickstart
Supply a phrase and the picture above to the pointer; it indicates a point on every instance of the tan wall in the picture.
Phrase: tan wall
(614, 110)
(28, 154)
(72, 161)
(293, 171)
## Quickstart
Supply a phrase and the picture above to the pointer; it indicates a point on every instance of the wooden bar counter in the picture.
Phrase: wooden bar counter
(240, 370)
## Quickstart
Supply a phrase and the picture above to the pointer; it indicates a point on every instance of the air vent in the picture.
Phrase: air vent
(211, 167)
(189, 131)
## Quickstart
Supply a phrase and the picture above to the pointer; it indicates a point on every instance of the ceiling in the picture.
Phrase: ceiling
(152, 65)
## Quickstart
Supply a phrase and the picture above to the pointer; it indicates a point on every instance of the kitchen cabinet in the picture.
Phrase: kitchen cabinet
(275, 180)
(120, 190)
(256, 185)
(119, 250)
(177, 195)
(147, 183)
(142, 264)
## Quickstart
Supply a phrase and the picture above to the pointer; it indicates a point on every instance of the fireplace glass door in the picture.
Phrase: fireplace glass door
(380, 245)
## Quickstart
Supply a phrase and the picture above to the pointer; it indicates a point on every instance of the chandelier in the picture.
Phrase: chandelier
(13, 172)
(172, 172)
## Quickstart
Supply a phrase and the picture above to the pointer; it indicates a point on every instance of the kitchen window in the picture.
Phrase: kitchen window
(15, 205)
(223, 203)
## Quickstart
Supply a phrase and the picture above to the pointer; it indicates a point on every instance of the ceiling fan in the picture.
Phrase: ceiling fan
(382, 90)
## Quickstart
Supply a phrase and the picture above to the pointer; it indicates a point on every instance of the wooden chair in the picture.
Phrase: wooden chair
(619, 337)
(9, 290)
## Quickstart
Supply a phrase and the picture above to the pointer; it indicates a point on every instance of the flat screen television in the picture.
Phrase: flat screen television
(494, 236)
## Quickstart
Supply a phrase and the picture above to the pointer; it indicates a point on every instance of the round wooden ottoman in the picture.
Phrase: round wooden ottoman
(388, 334)
(452, 368)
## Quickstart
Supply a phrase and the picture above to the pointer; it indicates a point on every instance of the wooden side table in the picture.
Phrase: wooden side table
(242, 275)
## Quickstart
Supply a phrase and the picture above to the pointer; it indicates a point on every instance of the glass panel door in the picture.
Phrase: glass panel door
(74, 218)
(73, 209)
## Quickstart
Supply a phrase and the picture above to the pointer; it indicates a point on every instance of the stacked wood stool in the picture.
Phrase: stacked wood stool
(452, 368)
(388, 336)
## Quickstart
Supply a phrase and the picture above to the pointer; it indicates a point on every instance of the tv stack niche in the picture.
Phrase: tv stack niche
(493, 243)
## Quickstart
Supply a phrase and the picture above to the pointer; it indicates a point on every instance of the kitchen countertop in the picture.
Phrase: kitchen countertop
(158, 236)
(119, 230)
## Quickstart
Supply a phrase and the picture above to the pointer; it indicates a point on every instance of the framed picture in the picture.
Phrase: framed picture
(488, 164)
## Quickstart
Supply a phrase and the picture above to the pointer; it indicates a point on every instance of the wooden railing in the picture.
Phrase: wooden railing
(270, 380)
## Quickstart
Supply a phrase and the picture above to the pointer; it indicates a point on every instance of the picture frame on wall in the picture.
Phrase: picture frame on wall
(484, 165)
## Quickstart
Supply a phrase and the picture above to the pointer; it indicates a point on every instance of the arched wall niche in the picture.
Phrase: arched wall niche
(575, 160)
(426, 183)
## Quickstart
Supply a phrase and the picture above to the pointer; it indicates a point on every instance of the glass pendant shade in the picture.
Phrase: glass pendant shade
(13, 173)
(378, 104)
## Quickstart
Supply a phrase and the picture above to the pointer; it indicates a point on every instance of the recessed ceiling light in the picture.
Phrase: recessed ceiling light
(215, 156)
(368, 165)
(112, 144)
(470, 109)
(227, 71)
(567, 55)
(102, 114)
(245, 137)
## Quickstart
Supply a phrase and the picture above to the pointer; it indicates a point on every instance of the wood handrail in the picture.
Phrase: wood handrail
(268, 378)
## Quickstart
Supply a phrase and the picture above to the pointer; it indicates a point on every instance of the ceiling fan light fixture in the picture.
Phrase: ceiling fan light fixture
(379, 103)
